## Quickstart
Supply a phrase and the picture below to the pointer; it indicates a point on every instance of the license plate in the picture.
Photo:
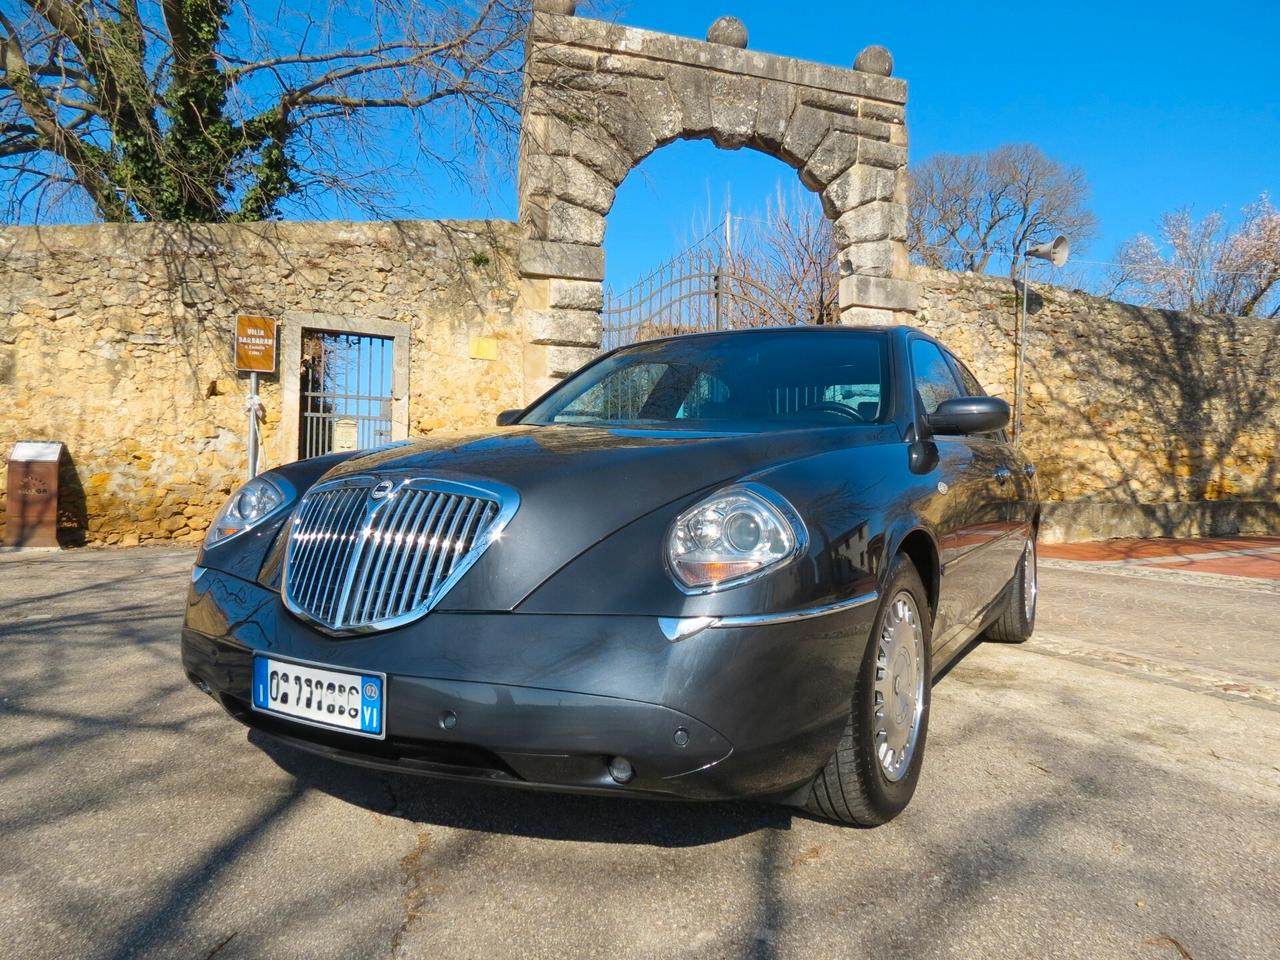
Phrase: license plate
(350, 702)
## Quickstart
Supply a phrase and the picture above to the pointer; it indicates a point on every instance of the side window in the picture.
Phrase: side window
(972, 388)
(933, 379)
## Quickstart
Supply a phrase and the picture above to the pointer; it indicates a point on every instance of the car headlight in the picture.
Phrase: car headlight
(735, 535)
(249, 506)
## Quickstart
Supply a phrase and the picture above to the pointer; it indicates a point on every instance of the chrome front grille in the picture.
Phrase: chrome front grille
(371, 554)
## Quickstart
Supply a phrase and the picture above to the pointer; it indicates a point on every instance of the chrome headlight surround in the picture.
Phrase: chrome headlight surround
(736, 535)
(252, 505)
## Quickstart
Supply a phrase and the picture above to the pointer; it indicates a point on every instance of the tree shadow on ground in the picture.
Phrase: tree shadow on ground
(524, 813)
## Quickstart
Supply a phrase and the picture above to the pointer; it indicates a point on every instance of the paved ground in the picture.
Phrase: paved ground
(1254, 557)
(1111, 789)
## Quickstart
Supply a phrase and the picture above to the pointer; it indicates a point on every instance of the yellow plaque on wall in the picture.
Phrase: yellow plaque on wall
(484, 348)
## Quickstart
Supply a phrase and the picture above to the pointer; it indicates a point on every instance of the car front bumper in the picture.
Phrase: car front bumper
(545, 701)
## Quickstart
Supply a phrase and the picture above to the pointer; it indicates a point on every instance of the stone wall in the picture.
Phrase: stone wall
(116, 340)
(1142, 422)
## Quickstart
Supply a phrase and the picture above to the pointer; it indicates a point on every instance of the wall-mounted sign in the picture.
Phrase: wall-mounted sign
(255, 344)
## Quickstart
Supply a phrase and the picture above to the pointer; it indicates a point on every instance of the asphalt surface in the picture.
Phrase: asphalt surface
(1110, 789)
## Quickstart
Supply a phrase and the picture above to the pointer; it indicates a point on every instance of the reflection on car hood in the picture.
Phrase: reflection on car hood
(577, 485)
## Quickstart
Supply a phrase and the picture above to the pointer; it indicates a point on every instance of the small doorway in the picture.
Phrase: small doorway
(347, 392)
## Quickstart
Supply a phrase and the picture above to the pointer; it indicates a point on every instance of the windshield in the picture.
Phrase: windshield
(758, 381)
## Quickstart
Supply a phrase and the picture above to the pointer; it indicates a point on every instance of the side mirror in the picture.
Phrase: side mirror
(965, 415)
(507, 417)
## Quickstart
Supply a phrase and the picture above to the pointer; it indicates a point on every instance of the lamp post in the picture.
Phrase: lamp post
(1056, 251)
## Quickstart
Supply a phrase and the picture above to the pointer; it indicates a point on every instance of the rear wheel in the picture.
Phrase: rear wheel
(872, 774)
(1018, 619)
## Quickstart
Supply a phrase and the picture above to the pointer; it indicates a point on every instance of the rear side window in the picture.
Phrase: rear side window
(934, 382)
(972, 388)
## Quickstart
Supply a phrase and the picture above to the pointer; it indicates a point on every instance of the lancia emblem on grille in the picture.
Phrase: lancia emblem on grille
(381, 491)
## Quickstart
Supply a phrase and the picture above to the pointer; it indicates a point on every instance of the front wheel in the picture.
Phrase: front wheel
(871, 776)
(1018, 619)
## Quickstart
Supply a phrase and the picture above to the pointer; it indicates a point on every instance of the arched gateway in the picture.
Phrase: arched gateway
(599, 98)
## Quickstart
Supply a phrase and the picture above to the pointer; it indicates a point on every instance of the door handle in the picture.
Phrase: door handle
(1003, 475)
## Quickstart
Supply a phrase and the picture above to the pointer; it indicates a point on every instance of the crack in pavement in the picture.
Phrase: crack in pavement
(417, 890)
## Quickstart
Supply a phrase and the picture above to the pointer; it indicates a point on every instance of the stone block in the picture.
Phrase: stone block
(657, 106)
(856, 186)
(564, 8)
(876, 154)
(892, 113)
(600, 152)
(806, 129)
(562, 361)
(562, 54)
(546, 134)
(567, 221)
(692, 88)
(865, 317)
(777, 103)
(836, 154)
(878, 220)
(867, 259)
(628, 131)
(569, 261)
(572, 180)
(571, 328)
(626, 65)
(734, 102)
(575, 295)
(883, 293)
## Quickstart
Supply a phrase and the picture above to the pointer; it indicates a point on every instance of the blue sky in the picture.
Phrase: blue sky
(1163, 104)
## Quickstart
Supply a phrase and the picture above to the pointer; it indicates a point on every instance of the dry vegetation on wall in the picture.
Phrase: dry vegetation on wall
(116, 340)
(1145, 422)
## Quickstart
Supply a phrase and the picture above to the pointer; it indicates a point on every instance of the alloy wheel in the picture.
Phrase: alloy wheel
(899, 686)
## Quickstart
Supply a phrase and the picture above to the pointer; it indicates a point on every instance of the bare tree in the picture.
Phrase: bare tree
(1206, 266)
(968, 209)
(209, 110)
(792, 253)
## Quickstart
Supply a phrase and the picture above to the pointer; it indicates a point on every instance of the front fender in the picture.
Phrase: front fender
(852, 501)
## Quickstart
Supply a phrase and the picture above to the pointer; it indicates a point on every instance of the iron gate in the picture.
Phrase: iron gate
(347, 384)
(698, 291)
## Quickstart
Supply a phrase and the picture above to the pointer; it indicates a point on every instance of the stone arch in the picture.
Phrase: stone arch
(599, 98)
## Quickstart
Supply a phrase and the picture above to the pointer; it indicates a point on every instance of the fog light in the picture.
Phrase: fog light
(620, 770)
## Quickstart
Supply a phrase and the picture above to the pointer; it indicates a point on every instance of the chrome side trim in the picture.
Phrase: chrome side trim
(793, 616)
(681, 628)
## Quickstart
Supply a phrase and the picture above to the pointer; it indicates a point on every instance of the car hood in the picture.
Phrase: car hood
(578, 485)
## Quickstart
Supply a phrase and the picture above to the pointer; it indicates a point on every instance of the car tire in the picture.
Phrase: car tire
(865, 783)
(1017, 621)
